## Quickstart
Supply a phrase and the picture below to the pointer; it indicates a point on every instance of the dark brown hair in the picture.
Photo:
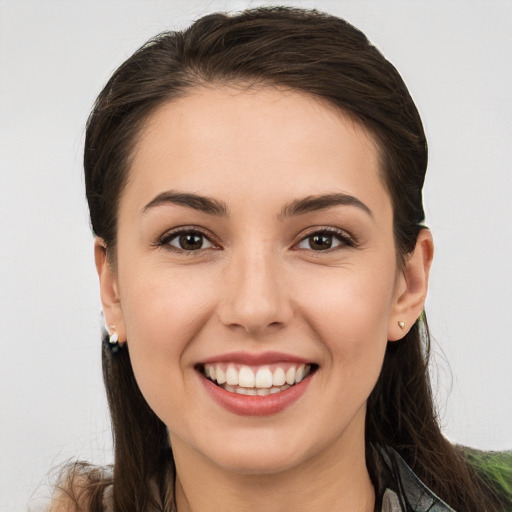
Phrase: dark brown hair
(326, 57)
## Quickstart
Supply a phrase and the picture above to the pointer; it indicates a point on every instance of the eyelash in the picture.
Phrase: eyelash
(166, 238)
(344, 239)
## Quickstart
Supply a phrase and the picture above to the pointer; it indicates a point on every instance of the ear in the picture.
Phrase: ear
(411, 287)
(109, 291)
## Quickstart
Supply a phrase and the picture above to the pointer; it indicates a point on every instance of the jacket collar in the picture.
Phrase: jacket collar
(397, 487)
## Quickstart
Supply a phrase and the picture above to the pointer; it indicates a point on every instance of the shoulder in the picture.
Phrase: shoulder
(494, 467)
(493, 471)
(398, 488)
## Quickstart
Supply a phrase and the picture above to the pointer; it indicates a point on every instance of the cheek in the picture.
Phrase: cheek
(161, 305)
(348, 312)
(163, 312)
(349, 302)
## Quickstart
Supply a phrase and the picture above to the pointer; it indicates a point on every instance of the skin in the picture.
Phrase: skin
(257, 285)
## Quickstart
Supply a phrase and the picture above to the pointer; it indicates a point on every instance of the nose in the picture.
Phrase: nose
(255, 297)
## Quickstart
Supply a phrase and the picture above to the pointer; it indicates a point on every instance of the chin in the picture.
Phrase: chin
(264, 452)
(256, 462)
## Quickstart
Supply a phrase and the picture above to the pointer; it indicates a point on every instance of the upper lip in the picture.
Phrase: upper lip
(251, 359)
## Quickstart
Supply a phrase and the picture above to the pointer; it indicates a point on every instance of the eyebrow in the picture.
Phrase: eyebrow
(213, 206)
(204, 204)
(322, 202)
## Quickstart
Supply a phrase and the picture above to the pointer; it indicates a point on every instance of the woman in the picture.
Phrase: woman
(254, 186)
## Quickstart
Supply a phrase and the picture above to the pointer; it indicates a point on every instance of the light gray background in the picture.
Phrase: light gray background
(55, 56)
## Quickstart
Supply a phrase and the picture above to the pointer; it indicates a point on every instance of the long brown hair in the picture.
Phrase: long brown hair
(324, 56)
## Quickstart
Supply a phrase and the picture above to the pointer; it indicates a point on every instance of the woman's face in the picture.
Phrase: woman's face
(255, 244)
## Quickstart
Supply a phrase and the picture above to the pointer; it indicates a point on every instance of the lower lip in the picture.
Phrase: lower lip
(248, 405)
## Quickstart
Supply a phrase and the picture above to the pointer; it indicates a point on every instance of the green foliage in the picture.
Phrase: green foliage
(495, 468)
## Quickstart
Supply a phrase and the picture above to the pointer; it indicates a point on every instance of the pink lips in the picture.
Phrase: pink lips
(246, 405)
(255, 359)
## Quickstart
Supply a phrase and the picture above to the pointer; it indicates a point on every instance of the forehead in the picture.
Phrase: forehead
(258, 141)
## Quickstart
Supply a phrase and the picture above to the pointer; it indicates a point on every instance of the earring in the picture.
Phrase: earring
(401, 324)
(113, 341)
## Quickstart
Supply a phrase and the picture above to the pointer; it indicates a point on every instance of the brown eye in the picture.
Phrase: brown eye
(190, 241)
(320, 242)
(325, 240)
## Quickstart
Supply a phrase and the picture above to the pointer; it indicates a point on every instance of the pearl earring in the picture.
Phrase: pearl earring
(113, 341)
(401, 324)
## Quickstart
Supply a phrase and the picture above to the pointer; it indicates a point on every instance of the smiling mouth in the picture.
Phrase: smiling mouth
(256, 380)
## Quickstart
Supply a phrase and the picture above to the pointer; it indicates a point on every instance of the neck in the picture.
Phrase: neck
(336, 480)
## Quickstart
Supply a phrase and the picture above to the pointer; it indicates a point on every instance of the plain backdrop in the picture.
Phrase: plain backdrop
(55, 56)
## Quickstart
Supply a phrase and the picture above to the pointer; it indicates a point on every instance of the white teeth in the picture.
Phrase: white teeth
(218, 374)
(278, 377)
(300, 373)
(246, 381)
(290, 375)
(232, 376)
(246, 377)
(263, 378)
